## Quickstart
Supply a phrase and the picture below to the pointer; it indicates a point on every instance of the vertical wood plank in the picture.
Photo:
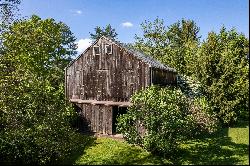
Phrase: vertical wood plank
(88, 115)
(110, 115)
(100, 129)
(93, 118)
(96, 118)
(104, 120)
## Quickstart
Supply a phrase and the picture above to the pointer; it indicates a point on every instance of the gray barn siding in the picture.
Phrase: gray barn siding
(106, 77)
(114, 77)
(97, 117)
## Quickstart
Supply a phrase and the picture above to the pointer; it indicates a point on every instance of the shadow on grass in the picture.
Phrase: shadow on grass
(217, 149)
(129, 156)
(88, 141)
(241, 124)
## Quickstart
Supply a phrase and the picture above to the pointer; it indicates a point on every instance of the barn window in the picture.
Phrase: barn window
(96, 50)
(108, 49)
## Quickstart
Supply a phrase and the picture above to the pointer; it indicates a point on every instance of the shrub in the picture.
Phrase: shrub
(200, 108)
(158, 119)
(190, 86)
(42, 144)
(161, 118)
(205, 120)
(39, 133)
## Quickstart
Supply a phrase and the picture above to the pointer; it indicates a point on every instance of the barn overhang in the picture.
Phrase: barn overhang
(106, 103)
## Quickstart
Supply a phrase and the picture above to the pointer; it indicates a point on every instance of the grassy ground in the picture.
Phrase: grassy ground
(109, 151)
(228, 146)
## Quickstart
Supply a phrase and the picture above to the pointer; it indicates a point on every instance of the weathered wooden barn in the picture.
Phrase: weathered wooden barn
(102, 79)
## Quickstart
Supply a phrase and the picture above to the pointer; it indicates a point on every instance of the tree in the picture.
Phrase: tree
(175, 45)
(222, 68)
(108, 31)
(35, 119)
(8, 10)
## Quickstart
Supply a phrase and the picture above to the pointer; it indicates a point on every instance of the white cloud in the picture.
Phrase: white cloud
(79, 12)
(127, 24)
(76, 12)
(83, 44)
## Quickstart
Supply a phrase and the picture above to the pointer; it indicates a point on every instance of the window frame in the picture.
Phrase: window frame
(111, 49)
(94, 51)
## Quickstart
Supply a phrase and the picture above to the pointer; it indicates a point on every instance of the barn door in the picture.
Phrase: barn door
(102, 86)
(116, 112)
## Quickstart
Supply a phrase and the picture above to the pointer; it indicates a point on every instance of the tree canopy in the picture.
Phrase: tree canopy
(174, 45)
(8, 9)
(222, 68)
(35, 119)
(218, 64)
(107, 31)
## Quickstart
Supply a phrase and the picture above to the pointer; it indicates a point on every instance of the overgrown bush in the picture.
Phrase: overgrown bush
(46, 143)
(205, 120)
(161, 118)
(189, 86)
(199, 106)
(39, 133)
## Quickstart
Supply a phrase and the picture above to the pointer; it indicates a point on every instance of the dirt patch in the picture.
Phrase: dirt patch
(115, 136)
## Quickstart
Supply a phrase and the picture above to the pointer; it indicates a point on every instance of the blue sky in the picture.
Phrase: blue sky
(82, 16)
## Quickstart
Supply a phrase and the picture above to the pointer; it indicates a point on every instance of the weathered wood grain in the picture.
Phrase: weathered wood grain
(97, 82)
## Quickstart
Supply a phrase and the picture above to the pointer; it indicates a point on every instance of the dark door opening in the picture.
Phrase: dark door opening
(117, 111)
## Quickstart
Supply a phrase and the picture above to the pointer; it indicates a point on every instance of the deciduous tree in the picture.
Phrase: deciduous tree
(35, 119)
(175, 45)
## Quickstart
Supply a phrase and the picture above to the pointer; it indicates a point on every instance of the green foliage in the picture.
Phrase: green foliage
(42, 143)
(201, 110)
(163, 114)
(161, 118)
(8, 9)
(190, 86)
(35, 119)
(108, 31)
(222, 69)
(218, 66)
(174, 45)
(205, 120)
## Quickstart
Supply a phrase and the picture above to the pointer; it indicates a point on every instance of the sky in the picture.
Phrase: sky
(125, 16)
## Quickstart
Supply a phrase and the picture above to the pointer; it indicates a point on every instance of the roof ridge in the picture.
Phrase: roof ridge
(141, 55)
(138, 53)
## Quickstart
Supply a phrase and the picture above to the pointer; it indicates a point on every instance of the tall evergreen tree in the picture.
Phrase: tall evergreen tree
(107, 31)
(222, 68)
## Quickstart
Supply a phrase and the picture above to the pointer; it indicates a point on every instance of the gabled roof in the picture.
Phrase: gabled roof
(145, 58)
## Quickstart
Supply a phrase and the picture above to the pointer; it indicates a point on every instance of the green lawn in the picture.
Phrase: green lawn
(108, 151)
(228, 146)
